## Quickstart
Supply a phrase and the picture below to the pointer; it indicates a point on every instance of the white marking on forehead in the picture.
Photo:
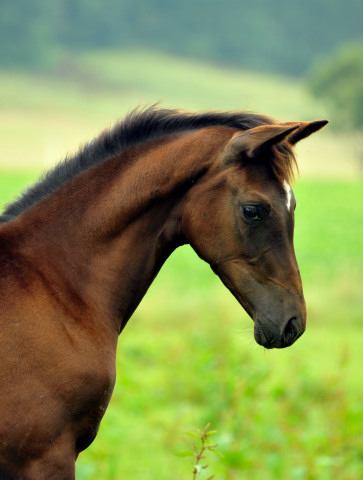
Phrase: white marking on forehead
(288, 191)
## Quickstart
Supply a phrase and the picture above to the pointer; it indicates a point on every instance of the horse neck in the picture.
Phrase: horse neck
(108, 232)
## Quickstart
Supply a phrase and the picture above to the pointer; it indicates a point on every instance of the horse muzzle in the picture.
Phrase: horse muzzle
(279, 311)
(279, 335)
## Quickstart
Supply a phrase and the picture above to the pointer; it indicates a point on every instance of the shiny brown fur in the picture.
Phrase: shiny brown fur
(79, 250)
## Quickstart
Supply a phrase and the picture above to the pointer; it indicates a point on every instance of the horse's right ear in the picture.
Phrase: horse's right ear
(255, 141)
(306, 129)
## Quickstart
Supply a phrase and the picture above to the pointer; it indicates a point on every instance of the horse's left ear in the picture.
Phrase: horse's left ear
(255, 141)
(305, 129)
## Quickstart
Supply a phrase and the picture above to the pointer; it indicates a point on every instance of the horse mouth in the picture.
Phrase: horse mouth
(261, 336)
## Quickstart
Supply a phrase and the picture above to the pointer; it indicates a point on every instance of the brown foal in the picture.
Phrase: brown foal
(80, 248)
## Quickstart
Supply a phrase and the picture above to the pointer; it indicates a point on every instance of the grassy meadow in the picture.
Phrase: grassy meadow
(187, 357)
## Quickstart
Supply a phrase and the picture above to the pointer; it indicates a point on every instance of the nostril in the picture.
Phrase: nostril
(291, 332)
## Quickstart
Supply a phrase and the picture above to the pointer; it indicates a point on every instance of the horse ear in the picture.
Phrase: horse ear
(306, 129)
(255, 141)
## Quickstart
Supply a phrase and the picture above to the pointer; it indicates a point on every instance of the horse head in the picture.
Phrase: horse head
(240, 219)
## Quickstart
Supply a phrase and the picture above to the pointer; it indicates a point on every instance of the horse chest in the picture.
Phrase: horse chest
(58, 383)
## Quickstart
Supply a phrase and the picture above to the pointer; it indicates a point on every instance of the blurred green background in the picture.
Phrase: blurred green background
(69, 69)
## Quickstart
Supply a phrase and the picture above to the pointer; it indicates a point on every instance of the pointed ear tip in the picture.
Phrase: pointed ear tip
(318, 124)
(322, 123)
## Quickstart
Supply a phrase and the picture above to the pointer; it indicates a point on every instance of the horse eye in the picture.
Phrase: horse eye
(252, 212)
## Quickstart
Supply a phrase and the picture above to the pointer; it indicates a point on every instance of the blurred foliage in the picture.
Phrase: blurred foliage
(282, 36)
(338, 81)
(25, 32)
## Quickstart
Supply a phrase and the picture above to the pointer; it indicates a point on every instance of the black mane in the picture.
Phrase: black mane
(139, 126)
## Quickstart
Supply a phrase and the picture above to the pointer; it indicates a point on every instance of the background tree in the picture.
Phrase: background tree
(26, 33)
(338, 81)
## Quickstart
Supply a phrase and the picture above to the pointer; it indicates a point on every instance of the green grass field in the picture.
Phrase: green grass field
(187, 357)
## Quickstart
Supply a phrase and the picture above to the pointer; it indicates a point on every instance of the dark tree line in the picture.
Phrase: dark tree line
(280, 35)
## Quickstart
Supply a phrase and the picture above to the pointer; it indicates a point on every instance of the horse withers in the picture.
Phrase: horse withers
(79, 249)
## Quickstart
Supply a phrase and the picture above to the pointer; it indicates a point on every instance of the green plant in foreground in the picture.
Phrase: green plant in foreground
(200, 450)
